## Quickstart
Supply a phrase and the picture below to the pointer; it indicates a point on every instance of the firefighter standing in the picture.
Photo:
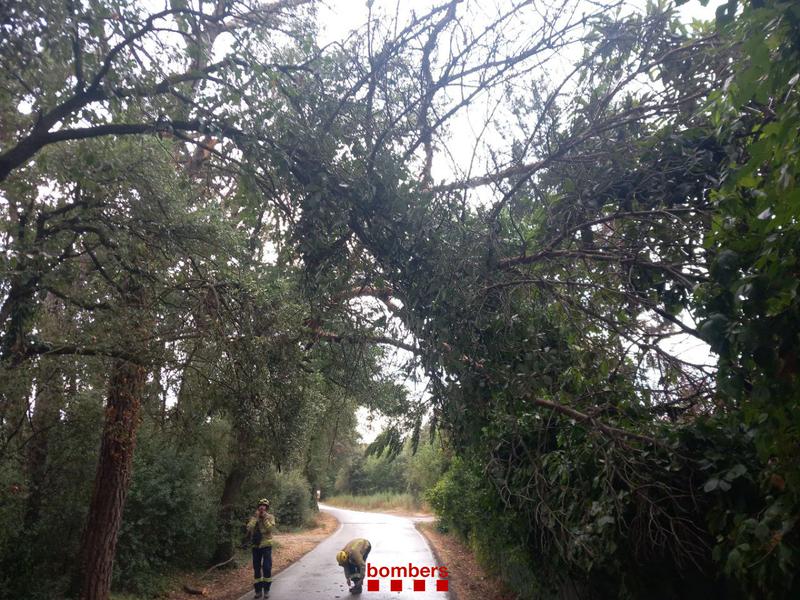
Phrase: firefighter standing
(259, 531)
(353, 557)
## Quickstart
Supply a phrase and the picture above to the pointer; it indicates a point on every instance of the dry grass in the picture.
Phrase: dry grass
(381, 502)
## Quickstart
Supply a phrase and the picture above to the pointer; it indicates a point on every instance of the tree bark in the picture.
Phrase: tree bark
(230, 494)
(112, 480)
(45, 416)
(47, 405)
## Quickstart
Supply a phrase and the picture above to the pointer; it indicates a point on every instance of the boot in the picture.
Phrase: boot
(258, 593)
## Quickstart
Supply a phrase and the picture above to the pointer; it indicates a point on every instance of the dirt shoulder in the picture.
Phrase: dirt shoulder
(232, 583)
(468, 581)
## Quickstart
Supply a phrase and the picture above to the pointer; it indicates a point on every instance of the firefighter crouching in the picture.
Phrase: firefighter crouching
(259, 532)
(353, 558)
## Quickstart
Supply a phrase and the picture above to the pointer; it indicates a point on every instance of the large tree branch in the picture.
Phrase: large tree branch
(83, 304)
(362, 339)
(549, 247)
(41, 134)
(39, 348)
(597, 128)
(26, 149)
(363, 291)
(609, 430)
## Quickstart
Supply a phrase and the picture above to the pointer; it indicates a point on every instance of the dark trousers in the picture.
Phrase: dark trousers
(353, 571)
(262, 568)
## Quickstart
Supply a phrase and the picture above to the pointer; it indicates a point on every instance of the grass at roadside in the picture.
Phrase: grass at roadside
(468, 580)
(383, 501)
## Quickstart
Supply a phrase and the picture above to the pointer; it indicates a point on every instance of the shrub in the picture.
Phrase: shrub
(32, 566)
(454, 498)
(292, 501)
(168, 520)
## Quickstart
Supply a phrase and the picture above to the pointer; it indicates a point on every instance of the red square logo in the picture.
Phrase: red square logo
(396, 585)
(419, 585)
(442, 585)
(373, 585)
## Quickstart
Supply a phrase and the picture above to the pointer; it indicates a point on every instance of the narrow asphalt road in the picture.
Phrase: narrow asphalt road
(395, 542)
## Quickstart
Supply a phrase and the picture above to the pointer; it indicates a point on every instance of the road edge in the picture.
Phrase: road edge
(451, 592)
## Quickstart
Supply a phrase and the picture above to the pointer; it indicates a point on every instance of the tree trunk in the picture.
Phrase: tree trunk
(48, 403)
(230, 494)
(50, 397)
(112, 479)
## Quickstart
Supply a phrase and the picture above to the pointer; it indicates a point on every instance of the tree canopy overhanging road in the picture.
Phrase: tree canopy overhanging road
(577, 223)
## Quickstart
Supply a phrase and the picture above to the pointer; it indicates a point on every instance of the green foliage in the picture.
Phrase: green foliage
(751, 306)
(704, 497)
(425, 467)
(379, 501)
(407, 470)
(385, 474)
(292, 500)
(373, 474)
(455, 498)
(169, 519)
(32, 564)
(654, 189)
(468, 506)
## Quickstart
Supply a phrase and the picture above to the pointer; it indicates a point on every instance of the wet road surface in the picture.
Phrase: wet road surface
(395, 542)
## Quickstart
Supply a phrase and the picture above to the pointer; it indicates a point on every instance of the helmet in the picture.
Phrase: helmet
(263, 501)
(341, 558)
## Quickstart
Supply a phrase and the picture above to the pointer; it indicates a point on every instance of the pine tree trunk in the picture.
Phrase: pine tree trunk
(112, 480)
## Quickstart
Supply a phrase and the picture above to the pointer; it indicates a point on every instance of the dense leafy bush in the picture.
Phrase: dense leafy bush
(292, 500)
(469, 507)
(751, 307)
(38, 558)
(169, 516)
